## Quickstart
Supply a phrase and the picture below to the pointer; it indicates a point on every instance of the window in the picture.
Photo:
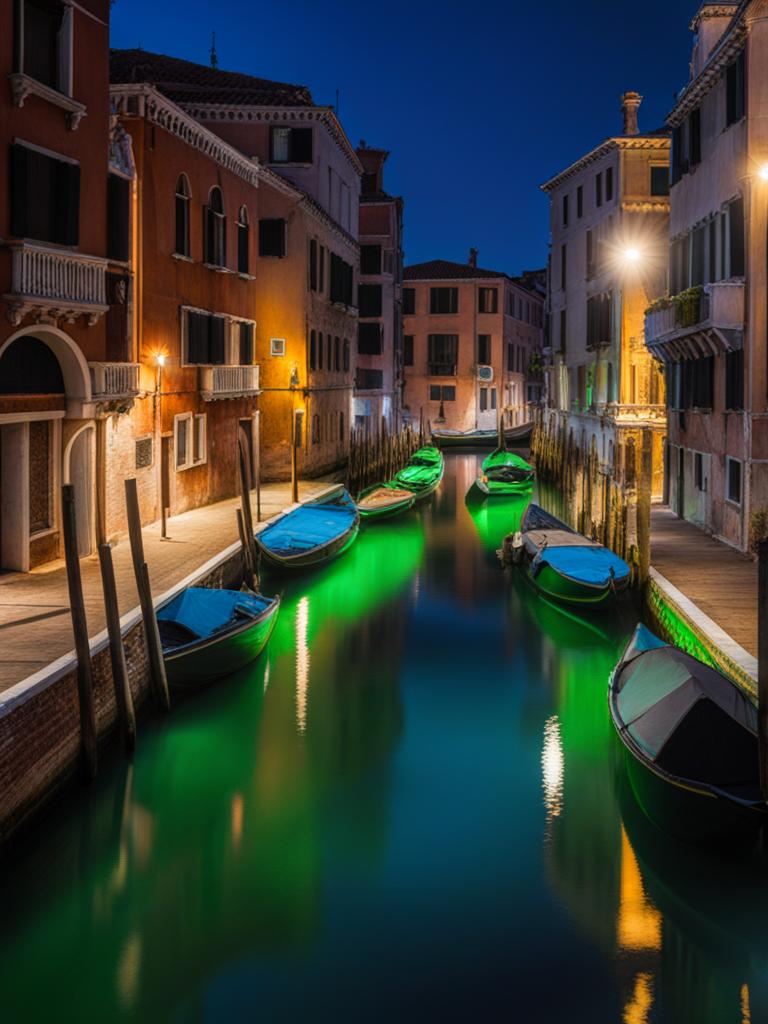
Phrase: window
(45, 197)
(590, 255)
(694, 138)
(369, 339)
(312, 350)
(215, 230)
(118, 217)
(733, 480)
(369, 299)
(565, 211)
(321, 269)
(409, 301)
(443, 354)
(580, 201)
(205, 339)
(245, 346)
(45, 42)
(563, 265)
(329, 352)
(599, 321)
(484, 348)
(698, 471)
(444, 300)
(736, 237)
(599, 189)
(660, 181)
(483, 399)
(510, 357)
(488, 300)
(291, 145)
(369, 380)
(698, 240)
(189, 431)
(183, 195)
(734, 379)
(735, 90)
(341, 426)
(442, 393)
(493, 398)
(243, 234)
(370, 259)
(337, 354)
(608, 184)
(563, 331)
(272, 237)
(320, 350)
(312, 265)
(407, 350)
(346, 355)
(315, 429)
(342, 276)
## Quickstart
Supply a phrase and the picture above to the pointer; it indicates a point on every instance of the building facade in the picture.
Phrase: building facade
(470, 339)
(67, 363)
(379, 383)
(608, 221)
(710, 329)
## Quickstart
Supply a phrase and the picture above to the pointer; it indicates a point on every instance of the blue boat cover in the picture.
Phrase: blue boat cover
(308, 527)
(586, 564)
(204, 612)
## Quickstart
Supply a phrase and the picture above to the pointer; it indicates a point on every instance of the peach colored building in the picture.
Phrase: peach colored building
(469, 338)
(608, 220)
(710, 332)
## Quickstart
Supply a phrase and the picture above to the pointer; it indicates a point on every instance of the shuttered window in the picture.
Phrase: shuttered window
(599, 321)
(45, 197)
(205, 339)
(443, 354)
(272, 237)
(182, 216)
(736, 233)
(369, 339)
(370, 259)
(484, 348)
(407, 350)
(694, 138)
(734, 380)
(118, 215)
(215, 230)
(42, 41)
(735, 92)
(291, 145)
(444, 300)
(246, 332)
(409, 301)
(243, 241)
(369, 380)
(342, 275)
(369, 299)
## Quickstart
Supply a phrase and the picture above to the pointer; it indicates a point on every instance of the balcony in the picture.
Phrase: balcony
(110, 381)
(698, 322)
(218, 382)
(55, 283)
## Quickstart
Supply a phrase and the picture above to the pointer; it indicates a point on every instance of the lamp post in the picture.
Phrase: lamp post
(160, 360)
(297, 416)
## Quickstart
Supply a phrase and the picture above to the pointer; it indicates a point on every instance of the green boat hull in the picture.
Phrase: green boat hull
(197, 664)
(504, 488)
(553, 584)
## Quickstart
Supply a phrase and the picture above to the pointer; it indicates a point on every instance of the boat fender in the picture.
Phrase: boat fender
(516, 548)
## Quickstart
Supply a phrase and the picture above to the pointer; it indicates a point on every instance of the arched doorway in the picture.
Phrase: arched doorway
(79, 471)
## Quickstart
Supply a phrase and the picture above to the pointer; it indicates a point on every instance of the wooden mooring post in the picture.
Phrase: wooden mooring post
(151, 634)
(123, 698)
(89, 745)
(762, 663)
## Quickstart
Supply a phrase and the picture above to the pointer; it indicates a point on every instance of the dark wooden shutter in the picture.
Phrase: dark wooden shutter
(246, 344)
(216, 326)
(694, 137)
(182, 226)
(118, 200)
(272, 237)
(300, 146)
(197, 338)
(736, 211)
(19, 191)
(369, 339)
(369, 299)
(66, 210)
(312, 265)
(242, 248)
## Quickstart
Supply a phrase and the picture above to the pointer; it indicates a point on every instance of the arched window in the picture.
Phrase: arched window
(312, 350)
(215, 230)
(183, 196)
(242, 240)
(337, 354)
(320, 350)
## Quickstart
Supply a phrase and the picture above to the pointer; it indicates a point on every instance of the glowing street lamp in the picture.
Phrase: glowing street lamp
(632, 256)
(763, 173)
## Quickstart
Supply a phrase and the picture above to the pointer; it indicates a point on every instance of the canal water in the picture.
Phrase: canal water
(412, 808)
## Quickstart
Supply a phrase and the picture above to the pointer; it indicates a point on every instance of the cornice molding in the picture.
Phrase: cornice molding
(713, 11)
(157, 109)
(618, 142)
(724, 53)
(645, 205)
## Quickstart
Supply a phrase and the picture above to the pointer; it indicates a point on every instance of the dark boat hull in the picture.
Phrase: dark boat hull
(197, 664)
(483, 438)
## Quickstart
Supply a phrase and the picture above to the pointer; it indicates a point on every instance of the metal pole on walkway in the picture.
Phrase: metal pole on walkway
(762, 663)
(257, 465)
(123, 696)
(151, 634)
(89, 746)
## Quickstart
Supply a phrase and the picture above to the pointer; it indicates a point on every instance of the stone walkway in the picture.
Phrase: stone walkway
(716, 578)
(35, 624)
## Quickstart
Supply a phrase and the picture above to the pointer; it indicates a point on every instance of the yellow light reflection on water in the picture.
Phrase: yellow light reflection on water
(639, 1006)
(746, 1013)
(128, 968)
(236, 813)
(552, 768)
(638, 926)
(302, 662)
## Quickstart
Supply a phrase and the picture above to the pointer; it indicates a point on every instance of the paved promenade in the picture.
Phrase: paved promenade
(35, 624)
(721, 582)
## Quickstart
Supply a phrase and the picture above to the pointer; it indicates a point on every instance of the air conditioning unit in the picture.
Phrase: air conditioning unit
(485, 374)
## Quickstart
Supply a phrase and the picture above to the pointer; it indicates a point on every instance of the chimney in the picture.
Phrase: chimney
(630, 102)
(472, 257)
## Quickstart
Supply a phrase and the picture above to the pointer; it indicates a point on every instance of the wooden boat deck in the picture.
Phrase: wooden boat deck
(719, 580)
(383, 497)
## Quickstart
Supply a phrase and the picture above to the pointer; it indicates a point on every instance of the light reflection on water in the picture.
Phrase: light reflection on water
(412, 808)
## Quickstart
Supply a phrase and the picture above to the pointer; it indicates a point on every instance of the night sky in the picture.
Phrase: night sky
(477, 103)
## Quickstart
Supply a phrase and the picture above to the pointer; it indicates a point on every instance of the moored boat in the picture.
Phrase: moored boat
(383, 501)
(565, 565)
(505, 473)
(311, 534)
(448, 438)
(690, 737)
(206, 633)
(423, 473)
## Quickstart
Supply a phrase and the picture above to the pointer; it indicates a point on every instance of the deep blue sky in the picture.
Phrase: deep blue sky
(478, 103)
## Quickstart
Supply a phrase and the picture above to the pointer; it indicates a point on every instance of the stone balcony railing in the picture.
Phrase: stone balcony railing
(228, 382)
(114, 380)
(55, 282)
(698, 323)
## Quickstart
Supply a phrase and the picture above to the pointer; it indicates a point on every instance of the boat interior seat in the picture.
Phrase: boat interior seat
(708, 746)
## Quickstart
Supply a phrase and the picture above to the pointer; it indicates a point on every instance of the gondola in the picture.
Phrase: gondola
(311, 534)
(206, 634)
(383, 501)
(505, 473)
(447, 438)
(690, 737)
(566, 565)
(423, 473)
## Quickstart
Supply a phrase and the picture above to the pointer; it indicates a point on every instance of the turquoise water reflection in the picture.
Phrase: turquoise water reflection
(412, 808)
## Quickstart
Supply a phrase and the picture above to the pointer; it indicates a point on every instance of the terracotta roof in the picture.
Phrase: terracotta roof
(445, 270)
(186, 82)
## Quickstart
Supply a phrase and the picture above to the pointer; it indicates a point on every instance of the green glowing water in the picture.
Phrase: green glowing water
(412, 808)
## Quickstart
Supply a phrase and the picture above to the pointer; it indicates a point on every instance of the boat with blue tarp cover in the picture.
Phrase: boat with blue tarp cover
(690, 737)
(566, 565)
(313, 533)
(206, 634)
